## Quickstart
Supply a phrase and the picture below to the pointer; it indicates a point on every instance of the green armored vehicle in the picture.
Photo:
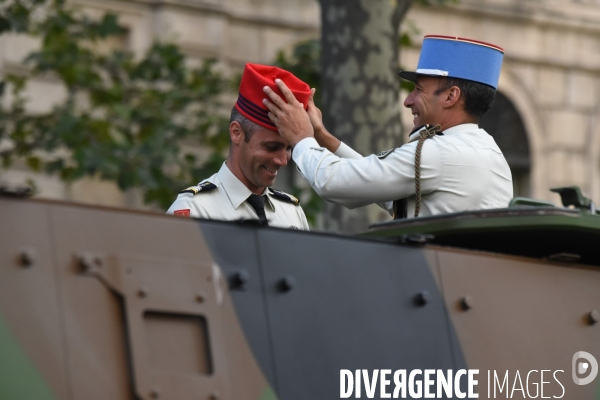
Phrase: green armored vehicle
(99, 303)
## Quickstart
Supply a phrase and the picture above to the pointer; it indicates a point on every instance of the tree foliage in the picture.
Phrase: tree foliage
(304, 61)
(127, 119)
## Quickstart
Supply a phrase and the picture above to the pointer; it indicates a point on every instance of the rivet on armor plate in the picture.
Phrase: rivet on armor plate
(422, 298)
(239, 280)
(86, 261)
(143, 292)
(466, 303)
(287, 283)
(27, 256)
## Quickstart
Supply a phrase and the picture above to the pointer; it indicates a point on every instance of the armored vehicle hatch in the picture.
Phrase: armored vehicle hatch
(527, 228)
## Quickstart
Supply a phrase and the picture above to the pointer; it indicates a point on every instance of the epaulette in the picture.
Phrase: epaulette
(385, 153)
(201, 187)
(278, 194)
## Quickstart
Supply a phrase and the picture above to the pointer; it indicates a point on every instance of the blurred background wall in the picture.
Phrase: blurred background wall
(545, 117)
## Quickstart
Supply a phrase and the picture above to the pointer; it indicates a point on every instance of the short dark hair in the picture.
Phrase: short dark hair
(248, 127)
(478, 97)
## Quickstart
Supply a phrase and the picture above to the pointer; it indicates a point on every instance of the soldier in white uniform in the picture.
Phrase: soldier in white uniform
(449, 164)
(242, 187)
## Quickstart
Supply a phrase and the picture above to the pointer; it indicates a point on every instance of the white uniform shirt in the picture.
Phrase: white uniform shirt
(463, 169)
(228, 202)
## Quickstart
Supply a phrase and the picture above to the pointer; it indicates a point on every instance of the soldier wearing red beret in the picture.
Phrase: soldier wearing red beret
(242, 187)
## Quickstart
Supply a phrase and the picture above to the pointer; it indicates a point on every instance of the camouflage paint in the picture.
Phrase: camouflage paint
(78, 310)
(268, 394)
(346, 290)
(19, 378)
(352, 304)
(526, 314)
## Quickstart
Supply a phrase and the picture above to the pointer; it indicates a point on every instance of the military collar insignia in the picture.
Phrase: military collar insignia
(385, 153)
(415, 134)
(426, 126)
(279, 195)
(205, 186)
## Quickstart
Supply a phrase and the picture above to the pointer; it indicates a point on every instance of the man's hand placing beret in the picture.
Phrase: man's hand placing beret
(291, 119)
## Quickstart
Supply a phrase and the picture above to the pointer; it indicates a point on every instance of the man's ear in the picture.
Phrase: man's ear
(453, 96)
(235, 133)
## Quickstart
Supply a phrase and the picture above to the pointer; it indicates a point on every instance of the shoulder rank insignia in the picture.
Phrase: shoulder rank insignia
(278, 194)
(386, 153)
(201, 187)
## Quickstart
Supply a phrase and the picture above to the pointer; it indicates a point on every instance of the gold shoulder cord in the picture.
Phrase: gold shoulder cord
(428, 132)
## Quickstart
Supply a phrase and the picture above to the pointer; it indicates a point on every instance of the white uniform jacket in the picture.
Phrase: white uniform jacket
(463, 169)
(227, 201)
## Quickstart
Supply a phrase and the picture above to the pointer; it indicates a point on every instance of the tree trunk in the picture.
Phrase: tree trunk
(360, 85)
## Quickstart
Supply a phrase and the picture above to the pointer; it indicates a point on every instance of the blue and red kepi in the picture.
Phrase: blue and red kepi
(456, 57)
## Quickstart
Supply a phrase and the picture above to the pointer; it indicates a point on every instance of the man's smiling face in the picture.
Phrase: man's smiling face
(261, 157)
(424, 102)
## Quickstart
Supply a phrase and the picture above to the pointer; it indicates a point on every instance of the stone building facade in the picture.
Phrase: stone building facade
(549, 89)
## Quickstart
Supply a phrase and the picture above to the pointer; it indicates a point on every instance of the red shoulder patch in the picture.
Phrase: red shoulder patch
(182, 213)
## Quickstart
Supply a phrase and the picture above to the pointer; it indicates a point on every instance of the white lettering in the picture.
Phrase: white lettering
(384, 384)
(420, 384)
(473, 383)
(400, 384)
(504, 382)
(443, 382)
(563, 388)
(542, 384)
(411, 384)
(344, 373)
(459, 394)
(370, 384)
(537, 390)
(517, 376)
(428, 382)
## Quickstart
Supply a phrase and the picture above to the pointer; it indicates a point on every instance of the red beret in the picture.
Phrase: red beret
(251, 95)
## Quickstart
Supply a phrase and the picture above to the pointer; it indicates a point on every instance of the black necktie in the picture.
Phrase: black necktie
(258, 203)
